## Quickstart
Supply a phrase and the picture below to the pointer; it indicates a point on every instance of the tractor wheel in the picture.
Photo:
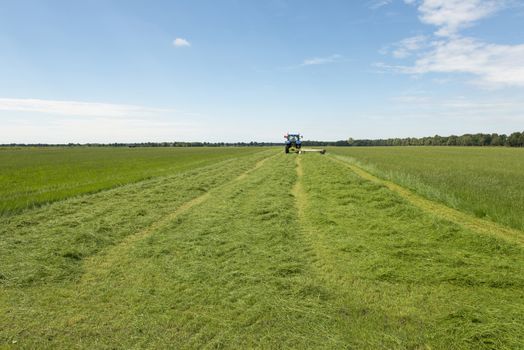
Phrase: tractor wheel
(287, 149)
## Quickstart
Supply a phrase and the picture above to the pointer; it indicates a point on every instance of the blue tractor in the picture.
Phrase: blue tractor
(293, 143)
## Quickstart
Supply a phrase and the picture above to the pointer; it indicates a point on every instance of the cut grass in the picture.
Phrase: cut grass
(50, 243)
(231, 271)
(292, 252)
(440, 210)
(483, 181)
(31, 177)
(405, 278)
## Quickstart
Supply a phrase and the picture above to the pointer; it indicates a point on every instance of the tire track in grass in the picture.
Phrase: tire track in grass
(26, 306)
(326, 263)
(440, 210)
(353, 317)
(301, 202)
(403, 278)
(36, 195)
(228, 274)
(52, 243)
(103, 262)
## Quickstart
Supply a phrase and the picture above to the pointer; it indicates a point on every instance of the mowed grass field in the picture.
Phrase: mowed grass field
(33, 176)
(487, 182)
(261, 251)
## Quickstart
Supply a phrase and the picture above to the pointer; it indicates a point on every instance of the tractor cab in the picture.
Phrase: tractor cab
(293, 143)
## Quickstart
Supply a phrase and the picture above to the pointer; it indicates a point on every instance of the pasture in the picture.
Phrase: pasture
(258, 249)
(30, 177)
(487, 182)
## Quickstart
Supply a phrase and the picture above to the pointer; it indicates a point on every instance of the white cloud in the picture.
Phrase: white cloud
(321, 60)
(76, 108)
(406, 47)
(52, 121)
(486, 109)
(181, 42)
(493, 65)
(376, 4)
(103, 130)
(452, 15)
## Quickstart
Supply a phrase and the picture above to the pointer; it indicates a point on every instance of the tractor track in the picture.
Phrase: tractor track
(313, 237)
(103, 262)
(298, 190)
(440, 210)
(41, 205)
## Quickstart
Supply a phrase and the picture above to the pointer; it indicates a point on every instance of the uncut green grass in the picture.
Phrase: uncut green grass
(30, 177)
(359, 268)
(484, 181)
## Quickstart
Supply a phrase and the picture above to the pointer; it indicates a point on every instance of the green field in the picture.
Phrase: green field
(264, 250)
(33, 176)
(486, 182)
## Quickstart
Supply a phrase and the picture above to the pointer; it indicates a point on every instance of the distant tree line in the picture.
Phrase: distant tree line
(516, 139)
(148, 144)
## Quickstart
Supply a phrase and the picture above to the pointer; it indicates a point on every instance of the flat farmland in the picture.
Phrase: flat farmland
(30, 177)
(263, 250)
(487, 182)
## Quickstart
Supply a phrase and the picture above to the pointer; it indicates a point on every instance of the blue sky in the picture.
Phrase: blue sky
(242, 70)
